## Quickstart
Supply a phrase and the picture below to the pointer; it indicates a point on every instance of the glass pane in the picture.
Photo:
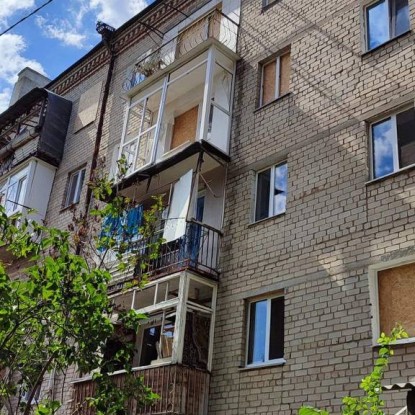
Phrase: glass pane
(152, 110)
(405, 125)
(222, 87)
(151, 338)
(11, 197)
(401, 17)
(79, 185)
(262, 194)
(218, 129)
(377, 24)
(276, 338)
(257, 332)
(196, 339)
(383, 148)
(280, 189)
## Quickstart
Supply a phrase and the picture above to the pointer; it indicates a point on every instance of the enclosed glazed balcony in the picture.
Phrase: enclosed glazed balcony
(189, 106)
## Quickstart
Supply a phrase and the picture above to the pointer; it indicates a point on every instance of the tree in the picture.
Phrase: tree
(371, 402)
(56, 314)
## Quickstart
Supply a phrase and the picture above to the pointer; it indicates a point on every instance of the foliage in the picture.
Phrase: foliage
(371, 402)
(55, 313)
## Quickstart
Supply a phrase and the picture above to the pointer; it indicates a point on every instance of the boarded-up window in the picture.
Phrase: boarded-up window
(396, 291)
(275, 80)
(88, 107)
(185, 127)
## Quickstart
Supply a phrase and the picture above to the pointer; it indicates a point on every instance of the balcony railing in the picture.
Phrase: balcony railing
(182, 390)
(215, 25)
(197, 249)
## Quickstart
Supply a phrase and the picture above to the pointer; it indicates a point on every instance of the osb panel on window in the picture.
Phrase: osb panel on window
(396, 298)
(88, 107)
(185, 127)
(285, 73)
(268, 82)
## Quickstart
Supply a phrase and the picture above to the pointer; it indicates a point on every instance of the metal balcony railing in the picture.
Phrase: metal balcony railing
(182, 390)
(197, 249)
(215, 25)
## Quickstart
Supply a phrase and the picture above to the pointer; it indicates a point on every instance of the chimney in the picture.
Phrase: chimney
(28, 79)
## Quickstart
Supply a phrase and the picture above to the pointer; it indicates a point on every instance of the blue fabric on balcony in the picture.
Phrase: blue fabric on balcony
(133, 221)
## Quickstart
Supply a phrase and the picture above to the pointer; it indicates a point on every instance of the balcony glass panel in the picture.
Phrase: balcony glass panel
(200, 293)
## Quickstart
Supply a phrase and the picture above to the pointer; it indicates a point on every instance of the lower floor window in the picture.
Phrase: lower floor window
(266, 330)
(395, 293)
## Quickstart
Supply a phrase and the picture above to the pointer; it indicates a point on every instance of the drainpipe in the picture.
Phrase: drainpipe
(107, 33)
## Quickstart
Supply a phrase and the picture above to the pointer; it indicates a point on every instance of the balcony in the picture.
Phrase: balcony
(182, 390)
(183, 108)
(216, 26)
(196, 250)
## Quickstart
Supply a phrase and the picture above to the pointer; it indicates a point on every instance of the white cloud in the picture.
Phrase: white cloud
(12, 60)
(5, 95)
(116, 12)
(9, 7)
(62, 30)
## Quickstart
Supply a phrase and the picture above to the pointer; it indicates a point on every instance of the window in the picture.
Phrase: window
(275, 78)
(385, 19)
(266, 331)
(271, 192)
(76, 180)
(12, 192)
(393, 292)
(393, 143)
(266, 3)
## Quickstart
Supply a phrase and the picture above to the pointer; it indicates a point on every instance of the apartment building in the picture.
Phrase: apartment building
(279, 134)
(318, 251)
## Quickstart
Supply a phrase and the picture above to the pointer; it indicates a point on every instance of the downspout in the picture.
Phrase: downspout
(107, 37)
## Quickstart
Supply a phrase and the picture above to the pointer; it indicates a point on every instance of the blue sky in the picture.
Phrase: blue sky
(55, 37)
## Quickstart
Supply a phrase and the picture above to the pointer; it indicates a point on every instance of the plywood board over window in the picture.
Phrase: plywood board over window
(185, 127)
(396, 291)
(88, 107)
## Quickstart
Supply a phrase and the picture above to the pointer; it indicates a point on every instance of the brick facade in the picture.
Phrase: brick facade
(337, 223)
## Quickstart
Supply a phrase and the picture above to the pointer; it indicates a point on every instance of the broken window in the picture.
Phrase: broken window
(271, 191)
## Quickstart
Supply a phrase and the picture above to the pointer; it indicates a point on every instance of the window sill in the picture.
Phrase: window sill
(369, 52)
(278, 362)
(268, 6)
(390, 175)
(402, 342)
(272, 102)
(69, 207)
(266, 219)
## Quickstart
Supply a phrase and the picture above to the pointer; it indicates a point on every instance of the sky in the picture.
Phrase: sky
(54, 38)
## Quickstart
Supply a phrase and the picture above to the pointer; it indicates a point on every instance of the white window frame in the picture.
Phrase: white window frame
(396, 166)
(78, 186)
(21, 194)
(271, 198)
(391, 23)
(279, 361)
(374, 296)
